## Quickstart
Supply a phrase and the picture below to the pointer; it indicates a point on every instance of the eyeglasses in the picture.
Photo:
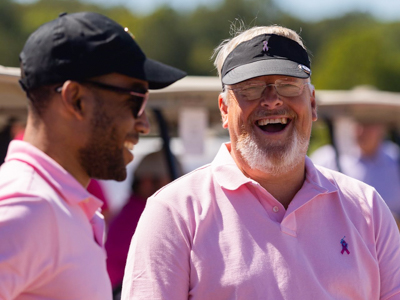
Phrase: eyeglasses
(137, 100)
(255, 89)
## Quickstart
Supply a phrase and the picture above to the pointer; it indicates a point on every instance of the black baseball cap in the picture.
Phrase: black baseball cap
(265, 54)
(86, 44)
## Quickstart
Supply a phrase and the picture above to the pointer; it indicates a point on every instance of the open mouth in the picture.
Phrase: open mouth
(273, 125)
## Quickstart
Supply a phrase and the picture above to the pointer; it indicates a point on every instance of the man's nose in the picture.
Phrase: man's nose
(270, 98)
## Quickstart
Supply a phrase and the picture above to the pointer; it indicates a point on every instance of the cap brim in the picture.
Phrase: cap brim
(159, 75)
(263, 68)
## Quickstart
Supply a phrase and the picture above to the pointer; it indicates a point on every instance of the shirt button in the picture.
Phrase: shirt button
(275, 209)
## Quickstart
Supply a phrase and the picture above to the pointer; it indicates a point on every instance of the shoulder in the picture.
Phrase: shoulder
(188, 184)
(189, 192)
(25, 222)
(18, 179)
(351, 191)
(25, 198)
(342, 181)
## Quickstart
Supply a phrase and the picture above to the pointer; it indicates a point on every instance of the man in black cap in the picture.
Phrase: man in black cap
(87, 83)
(261, 221)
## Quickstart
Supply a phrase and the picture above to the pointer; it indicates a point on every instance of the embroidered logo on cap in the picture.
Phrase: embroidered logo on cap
(265, 48)
(344, 246)
(305, 69)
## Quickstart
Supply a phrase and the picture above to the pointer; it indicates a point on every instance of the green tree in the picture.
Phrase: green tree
(9, 32)
(208, 27)
(360, 55)
(161, 36)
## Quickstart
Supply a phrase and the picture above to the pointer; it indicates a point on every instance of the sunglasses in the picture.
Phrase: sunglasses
(255, 89)
(137, 100)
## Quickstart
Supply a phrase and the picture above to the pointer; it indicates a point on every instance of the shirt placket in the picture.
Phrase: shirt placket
(274, 209)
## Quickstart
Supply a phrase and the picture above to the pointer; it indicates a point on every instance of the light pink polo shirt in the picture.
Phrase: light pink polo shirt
(48, 247)
(216, 234)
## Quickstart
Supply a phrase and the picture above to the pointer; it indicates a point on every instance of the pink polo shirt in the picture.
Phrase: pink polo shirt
(216, 234)
(51, 231)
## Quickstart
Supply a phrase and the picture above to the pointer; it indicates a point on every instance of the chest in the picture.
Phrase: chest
(250, 248)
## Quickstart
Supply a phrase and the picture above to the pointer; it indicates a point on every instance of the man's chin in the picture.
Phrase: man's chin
(117, 174)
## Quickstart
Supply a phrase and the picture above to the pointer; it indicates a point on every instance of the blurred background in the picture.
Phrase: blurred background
(352, 44)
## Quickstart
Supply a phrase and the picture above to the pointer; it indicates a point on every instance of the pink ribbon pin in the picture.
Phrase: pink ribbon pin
(344, 246)
(265, 48)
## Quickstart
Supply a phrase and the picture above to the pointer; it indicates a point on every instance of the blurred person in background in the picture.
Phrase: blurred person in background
(373, 159)
(87, 82)
(13, 129)
(96, 189)
(262, 221)
(151, 174)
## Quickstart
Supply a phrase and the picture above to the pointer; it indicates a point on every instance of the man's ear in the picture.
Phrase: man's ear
(223, 108)
(72, 95)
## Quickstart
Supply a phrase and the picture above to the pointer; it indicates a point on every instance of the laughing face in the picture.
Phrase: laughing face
(269, 120)
(113, 130)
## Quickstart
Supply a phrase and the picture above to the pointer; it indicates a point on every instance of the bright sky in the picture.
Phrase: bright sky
(307, 10)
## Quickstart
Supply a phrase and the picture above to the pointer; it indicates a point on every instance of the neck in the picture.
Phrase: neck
(369, 151)
(57, 146)
(283, 186)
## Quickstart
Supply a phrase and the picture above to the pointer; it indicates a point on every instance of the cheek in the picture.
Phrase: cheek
(235, 120)
(240, 115)
(307, 118)
(124, 121)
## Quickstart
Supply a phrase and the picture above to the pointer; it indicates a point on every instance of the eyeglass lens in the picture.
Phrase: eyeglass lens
(136, 104)
(255, 91)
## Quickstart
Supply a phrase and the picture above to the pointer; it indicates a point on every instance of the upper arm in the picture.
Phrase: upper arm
(387, 238)
(158, 264)
(24, 254)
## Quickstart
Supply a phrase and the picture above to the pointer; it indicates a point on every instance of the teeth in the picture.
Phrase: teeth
(128, 145)
(272, 121)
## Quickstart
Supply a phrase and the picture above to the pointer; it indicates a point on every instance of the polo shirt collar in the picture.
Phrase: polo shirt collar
(315, 184)
(316, 179)
(227, 173)
(62, 181)
(229, 176)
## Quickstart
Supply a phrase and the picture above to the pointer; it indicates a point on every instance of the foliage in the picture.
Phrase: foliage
(348, 51)
(356, 56)
(9, 29)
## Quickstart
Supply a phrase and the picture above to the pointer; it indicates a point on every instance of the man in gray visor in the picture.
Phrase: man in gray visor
(262, 221)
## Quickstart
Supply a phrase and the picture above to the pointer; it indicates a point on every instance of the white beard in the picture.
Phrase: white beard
(272, 158)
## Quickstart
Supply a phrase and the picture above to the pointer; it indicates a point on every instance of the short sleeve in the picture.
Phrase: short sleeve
(387, 238)
(25, 257)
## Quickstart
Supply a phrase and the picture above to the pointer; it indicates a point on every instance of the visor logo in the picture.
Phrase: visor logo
(265, 48)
